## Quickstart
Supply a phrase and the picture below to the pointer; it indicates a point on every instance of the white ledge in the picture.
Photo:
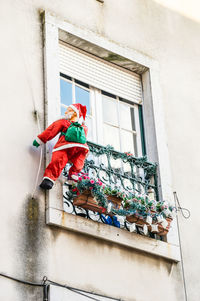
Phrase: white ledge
(142, 243)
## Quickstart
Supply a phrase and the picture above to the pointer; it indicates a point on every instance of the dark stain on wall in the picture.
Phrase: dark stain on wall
(32, 241)
(32, 238)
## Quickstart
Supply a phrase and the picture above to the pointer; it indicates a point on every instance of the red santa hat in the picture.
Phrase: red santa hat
(79, 109)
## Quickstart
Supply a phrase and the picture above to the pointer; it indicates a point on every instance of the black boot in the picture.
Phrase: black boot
(46, 184)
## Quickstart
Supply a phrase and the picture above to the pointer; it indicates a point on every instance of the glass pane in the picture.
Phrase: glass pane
(109, 110)
(127, 140)
(104, 160)
(88, 123)
(127, 168)
(127, 120)
(83, 96)
(63, 110)
(111, 136)
(117, 166)
(65, 92)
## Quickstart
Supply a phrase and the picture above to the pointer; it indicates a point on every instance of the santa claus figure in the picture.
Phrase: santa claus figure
(71, 146)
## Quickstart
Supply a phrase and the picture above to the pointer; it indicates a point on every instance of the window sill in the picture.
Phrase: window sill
(58, 217)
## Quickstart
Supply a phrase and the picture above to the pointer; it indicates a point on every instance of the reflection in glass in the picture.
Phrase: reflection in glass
(127, 120)
(116, 165)
(111, 136)
(65, 92)
(127, 169)
(127, 184)
(104, 160)
(88, 123)
(83, 97)
(127, 142)
(109, 110)
(63, 109)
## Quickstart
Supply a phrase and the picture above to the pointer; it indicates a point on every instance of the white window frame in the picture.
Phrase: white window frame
(136, 132)
(96, 105)
(153, 106)
(91, 91)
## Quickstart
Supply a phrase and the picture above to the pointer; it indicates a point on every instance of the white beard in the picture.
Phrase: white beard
(68, 116)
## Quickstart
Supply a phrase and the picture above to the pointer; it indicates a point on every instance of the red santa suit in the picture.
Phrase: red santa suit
(64, 151)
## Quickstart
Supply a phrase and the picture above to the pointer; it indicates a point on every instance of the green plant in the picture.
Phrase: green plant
(139, 205)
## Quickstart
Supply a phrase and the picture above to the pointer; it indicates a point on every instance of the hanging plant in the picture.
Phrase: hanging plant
(94, 195)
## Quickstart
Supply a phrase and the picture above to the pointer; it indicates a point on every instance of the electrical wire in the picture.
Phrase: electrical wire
(181, 208)
(179, 234)
(72, 289)
(80, 291)
(46, 282)
(21, 281)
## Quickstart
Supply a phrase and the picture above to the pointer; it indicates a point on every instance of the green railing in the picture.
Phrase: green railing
(113, 168)
(132, 174)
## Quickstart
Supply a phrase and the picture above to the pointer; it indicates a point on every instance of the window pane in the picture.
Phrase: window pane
(83, 96)
(111, 136)
(88, 123)
(109, 110)
(128, 142)
(127, 120)
(65, 92)
(63, 110)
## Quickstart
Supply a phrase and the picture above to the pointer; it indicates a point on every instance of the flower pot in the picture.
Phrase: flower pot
(134, 219)
(116, 202)
(87, 201)
(162, 230)
(141, 221)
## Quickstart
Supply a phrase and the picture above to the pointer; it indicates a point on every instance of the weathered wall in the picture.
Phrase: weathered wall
(29, 249)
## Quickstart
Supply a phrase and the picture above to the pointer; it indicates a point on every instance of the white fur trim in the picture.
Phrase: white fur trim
(61, 117)
(69, 146)
(39, 141)
(49, 179)
(64, 118)
(75, 109)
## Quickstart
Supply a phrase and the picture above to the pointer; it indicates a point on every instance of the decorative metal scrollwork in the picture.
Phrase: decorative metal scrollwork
(114, 168)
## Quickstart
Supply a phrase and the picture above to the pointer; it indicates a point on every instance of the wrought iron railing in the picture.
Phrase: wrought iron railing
(115, 168)
(131, 174)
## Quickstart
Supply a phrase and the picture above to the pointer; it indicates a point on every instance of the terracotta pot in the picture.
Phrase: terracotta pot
(82, 198)
(115, 201)
(141, 221)
(162, 230)
(132, 218)
(87, 201)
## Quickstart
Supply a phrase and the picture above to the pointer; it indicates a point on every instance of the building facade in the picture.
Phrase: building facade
(135, 66)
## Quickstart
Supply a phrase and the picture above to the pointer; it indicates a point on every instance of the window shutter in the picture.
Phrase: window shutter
(99, 73)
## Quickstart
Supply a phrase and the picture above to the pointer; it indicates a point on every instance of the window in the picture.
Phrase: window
(90, 55)
(72, 90)
(110, 119)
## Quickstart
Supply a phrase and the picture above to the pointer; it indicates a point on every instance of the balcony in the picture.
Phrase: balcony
(135, 176)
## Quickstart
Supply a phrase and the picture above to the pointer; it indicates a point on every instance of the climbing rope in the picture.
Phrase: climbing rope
(26, 64)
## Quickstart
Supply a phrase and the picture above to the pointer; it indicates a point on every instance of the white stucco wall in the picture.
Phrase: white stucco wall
(29, 249)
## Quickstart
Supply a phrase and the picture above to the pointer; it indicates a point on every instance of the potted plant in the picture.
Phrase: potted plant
(92, 194)
(156, 215)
